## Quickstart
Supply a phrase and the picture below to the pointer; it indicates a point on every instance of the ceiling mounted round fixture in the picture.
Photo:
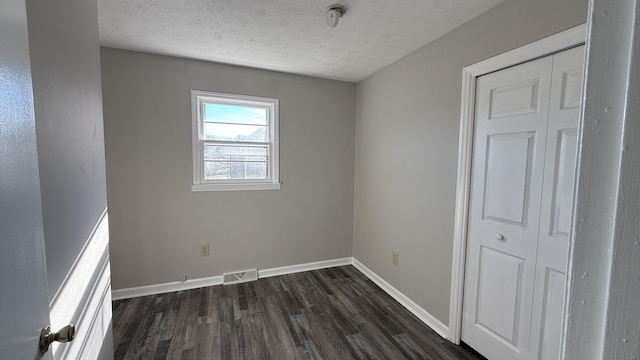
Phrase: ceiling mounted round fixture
(334, 12)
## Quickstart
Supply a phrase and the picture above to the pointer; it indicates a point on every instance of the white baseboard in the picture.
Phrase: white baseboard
(435, 324)
(217, 280)
(292, 269)
(165, 287)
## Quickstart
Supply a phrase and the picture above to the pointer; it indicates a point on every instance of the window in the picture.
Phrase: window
(235, 142)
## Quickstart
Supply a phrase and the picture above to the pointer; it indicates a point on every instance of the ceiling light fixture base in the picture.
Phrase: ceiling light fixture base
(333, 14)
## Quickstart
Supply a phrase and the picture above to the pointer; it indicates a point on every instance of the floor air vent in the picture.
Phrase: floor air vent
(240, 276)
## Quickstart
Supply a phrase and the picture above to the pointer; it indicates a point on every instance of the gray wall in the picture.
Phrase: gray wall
(157, 223)
(65, 65)
(407, 142)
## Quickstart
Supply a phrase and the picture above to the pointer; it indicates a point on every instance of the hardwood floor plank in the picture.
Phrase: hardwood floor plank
(161, 352)
(133, 326)
(306, 350)
(413, 351)
(328, 314)
(179, 331)
(256, 328)
(362, 347)
(202, 310)
(241, 348)
(193, 318)
(204, 349)
(123, 313)
(146, 336)
(227, 342)
(381, 341)
(281, 345)
(188, 354)
(321, 337)
(167, 324)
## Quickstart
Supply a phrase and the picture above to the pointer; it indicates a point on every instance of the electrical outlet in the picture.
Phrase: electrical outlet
(204, 250)
(395, 257)
(183, 277)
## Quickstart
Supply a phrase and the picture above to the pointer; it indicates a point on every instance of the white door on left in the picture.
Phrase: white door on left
(23, 280)
(52, 184)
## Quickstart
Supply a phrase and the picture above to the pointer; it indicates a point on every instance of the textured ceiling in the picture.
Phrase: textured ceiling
(284, 35)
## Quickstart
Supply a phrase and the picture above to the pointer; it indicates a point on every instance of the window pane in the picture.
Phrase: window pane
(235, 162)
(215, 152)
(255, 170)
(235, 170)
(235, 114)
(231, 132)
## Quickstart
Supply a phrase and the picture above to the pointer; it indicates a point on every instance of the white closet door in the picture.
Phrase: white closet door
(510, 134)
(557, 204)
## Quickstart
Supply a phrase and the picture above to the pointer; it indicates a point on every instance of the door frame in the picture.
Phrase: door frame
(569, 38)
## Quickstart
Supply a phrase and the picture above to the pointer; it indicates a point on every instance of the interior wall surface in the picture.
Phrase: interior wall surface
(158, 223)
(65, 65)
(407, 123)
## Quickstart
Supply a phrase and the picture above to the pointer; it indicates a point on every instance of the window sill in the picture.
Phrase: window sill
(235, 187)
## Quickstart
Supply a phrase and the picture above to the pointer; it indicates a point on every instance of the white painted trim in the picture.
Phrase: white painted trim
(235, 187)
(572, 37)
(218, 280)
(84, 297)
(430, 320)
(601, 310)
(554, 43)
(92, 325)
(155, 289)
(292, 269)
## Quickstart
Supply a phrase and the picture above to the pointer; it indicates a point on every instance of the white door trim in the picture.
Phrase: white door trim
(569, 38)
(84, 298)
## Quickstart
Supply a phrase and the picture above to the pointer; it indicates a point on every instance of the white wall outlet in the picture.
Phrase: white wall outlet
(204, 250)
(395, 258)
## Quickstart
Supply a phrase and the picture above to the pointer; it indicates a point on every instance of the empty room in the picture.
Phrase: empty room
(319, 180)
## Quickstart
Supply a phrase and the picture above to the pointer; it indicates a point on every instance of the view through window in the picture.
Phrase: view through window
(235, 141)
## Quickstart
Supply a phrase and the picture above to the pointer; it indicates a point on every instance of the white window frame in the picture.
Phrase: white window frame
(198, 99)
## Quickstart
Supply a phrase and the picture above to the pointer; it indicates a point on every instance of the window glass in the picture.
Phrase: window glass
(235, 142)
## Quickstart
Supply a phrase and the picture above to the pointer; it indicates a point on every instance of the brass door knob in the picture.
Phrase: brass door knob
(47, 337)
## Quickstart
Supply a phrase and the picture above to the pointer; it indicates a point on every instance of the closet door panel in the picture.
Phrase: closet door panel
(557, 204)
(510, 134)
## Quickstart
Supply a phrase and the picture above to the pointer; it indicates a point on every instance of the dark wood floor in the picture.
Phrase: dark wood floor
(335, 313)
